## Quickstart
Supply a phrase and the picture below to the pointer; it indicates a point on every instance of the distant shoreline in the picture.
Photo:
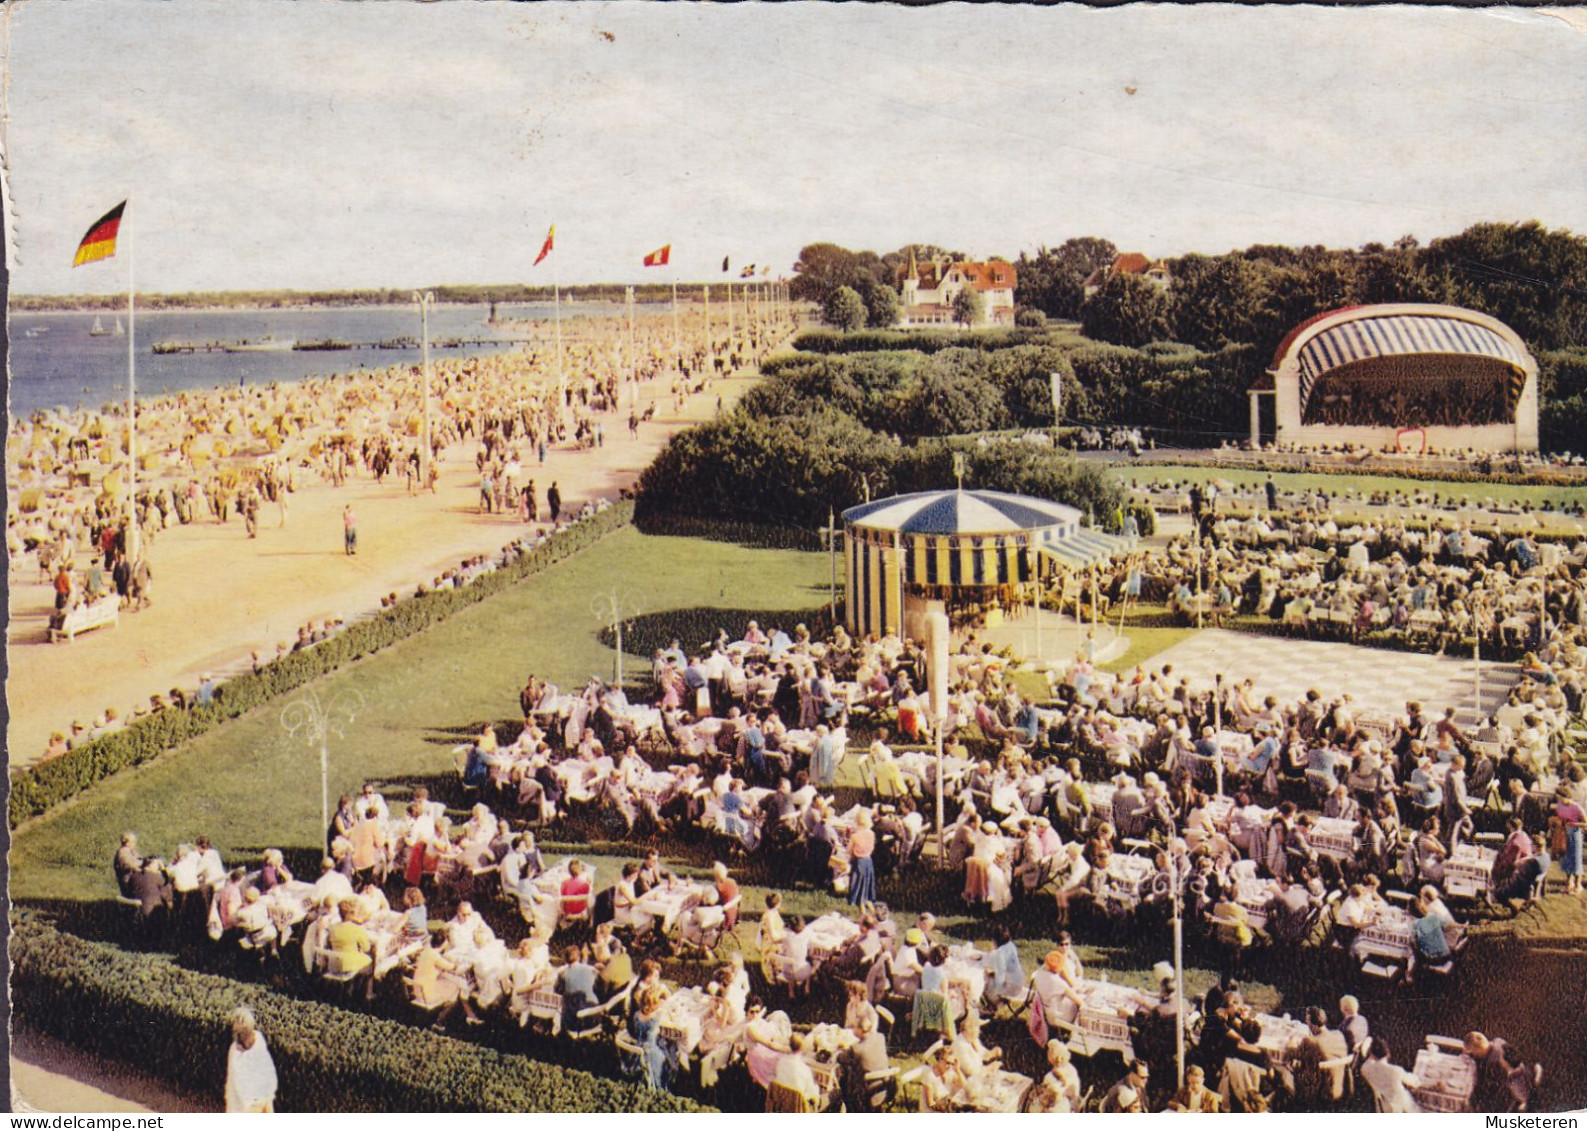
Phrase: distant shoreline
(22, 305)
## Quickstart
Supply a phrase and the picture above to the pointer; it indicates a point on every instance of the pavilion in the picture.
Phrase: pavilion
(954, 551)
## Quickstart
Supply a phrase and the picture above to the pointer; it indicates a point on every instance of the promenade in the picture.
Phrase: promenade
(217, 595)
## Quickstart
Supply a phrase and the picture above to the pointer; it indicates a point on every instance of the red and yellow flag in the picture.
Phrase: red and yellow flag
(545, 248)
(659, 257)
(100, 242)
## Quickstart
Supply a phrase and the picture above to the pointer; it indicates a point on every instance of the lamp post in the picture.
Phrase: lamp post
(1217, 729)
(315, 720)
(426, 302)
(1177, 893)
(619, 611)
(829, 534)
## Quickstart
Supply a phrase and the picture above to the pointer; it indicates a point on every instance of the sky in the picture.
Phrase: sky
(324, 144)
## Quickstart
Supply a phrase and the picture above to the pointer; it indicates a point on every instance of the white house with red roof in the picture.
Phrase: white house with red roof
(929, 290)
(1128, 263)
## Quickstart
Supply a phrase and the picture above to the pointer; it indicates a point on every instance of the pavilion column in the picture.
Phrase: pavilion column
(1256, 418)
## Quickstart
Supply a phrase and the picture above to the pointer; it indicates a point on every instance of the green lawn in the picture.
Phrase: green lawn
(1333, 484)
(251, 785)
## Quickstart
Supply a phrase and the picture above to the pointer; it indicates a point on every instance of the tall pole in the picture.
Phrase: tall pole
(556, 299)
(133, 547)
(677, 341)
(633, 357)
(730, 316)
(705, 294)
(1217, 728)
(832, 562)
(1177, 895)
(1476, 655)
(425, 300)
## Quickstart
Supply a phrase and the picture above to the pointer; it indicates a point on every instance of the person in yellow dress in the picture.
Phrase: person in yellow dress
(352, 948)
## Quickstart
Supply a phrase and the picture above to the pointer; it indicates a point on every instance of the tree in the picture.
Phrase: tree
(1053, 279)
(882, 305)
(1218, 301)
(845, 309)
(969, 307)
(824, 267)
(1129, 310)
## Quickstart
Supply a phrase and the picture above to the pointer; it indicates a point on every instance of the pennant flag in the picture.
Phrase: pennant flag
(748, 272)
(659, 257)
(724, 263)
(545, 248)
(100, 242)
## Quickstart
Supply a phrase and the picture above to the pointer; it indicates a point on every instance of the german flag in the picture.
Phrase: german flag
(100, 242)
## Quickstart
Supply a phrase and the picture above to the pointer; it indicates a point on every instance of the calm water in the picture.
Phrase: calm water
(62, 365)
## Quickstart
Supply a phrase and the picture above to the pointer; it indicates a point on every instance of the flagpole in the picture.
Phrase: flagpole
(677, 342)
(705, 291)
(556, 298)
(633, 358)
(133, 547)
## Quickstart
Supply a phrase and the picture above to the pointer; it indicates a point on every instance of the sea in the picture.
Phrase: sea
(56, 363)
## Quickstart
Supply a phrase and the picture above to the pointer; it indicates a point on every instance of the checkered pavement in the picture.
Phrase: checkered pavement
(1382, 682)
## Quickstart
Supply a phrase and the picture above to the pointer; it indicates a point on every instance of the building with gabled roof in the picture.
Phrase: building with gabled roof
(1128, 263)
(930, 288)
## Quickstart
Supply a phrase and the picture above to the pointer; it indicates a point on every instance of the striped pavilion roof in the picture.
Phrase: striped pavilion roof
(1400, 335)
(961, 512)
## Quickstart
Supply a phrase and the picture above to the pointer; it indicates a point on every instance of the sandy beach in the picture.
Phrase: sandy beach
(218, 595)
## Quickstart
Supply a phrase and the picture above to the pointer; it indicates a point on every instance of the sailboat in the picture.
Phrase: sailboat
(120, 331)
(98, 329)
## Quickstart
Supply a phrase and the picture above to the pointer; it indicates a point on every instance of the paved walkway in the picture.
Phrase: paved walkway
(218, 595)
(49, 1076)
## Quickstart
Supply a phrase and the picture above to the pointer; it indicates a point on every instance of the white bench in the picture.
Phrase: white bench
(84, 618)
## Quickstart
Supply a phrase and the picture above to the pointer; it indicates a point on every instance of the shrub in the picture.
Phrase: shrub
(926, 341)
(174, 1023)
(41, 787)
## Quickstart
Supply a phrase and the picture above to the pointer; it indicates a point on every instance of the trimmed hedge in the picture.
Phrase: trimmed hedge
(926, 341)
(175, 1023)
(41, 787)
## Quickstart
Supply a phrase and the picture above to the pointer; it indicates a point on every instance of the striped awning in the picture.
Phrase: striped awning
(961, 512)
(1399, 335)
(1082, 548)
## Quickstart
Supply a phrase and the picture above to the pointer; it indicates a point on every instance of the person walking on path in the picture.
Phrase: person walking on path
(554, 501)
(250, 1071)
(349, 531)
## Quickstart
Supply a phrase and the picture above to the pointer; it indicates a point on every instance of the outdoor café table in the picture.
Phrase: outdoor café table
(393, 945)
(822, 1046)
(997, 1090)
(669, 901)
(682, 1018)
(290, 903)
(1335, 837)
(1281, 1036)
(1388, 935)
(828, 934)
(1255, 896)
(639, 721)
(966, 968)
(1103, 1020)
(1468, 870)
(1445, 1079)
(921, 766)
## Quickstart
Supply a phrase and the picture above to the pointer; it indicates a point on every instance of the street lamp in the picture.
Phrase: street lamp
(620, 612)
(426, 302)
(315, 720)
